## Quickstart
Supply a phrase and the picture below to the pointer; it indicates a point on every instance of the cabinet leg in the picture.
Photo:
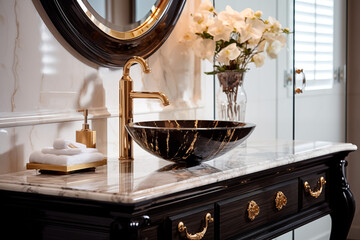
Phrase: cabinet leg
(342, 203)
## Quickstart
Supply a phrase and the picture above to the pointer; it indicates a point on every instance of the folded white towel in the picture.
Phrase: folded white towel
(65, 144)
(71, 151)
(65, 160)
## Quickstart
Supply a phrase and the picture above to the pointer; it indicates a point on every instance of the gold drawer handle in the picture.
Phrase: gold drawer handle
(253, 210)
(317, 193)
(280, 200)
(199, 235)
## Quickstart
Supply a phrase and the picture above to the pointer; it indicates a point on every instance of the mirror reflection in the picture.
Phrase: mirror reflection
(123, 15)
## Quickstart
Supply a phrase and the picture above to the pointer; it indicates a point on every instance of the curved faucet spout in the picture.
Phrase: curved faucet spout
(144, 65)
(158, 95)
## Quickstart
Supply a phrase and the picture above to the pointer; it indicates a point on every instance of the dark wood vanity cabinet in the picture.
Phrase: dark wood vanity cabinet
(275, 199)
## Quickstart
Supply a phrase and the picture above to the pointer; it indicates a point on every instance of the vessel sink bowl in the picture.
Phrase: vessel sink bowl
(189, 141)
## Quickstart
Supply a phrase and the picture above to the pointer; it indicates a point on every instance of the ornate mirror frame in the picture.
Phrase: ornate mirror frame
(106, 49)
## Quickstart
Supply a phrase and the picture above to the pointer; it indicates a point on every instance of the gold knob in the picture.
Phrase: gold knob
(280, 200)
(317, 193)
(199, 235)
(253, 210)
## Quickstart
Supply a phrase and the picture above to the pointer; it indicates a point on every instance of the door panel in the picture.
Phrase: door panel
(320, 113)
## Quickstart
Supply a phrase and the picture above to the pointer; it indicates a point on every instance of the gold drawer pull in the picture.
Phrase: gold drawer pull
(199, 235)
(317, 193)
(253, 210)
(280, 200)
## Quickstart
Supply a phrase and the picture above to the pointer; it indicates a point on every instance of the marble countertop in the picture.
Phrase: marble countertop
(148, 177)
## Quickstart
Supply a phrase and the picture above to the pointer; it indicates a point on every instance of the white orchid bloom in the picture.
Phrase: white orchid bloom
(206, 6)
(270, 37)
(256, 29)
(245, 34)
(188, 39)
(240, 26)
(273, 48)
(246, 27)
(204, 48)
(231, 18)
(258, 25)
(198, 18)
(282, 39)
(227, 54)
(247, 13)
(252, 32)
(274, 25)
(261, 46)
(258, 59)
(201, 22)
(220, 31)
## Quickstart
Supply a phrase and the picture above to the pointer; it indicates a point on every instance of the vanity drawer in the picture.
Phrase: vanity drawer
(314, 189)
(193, 222)
(234, 215)
(149, 233)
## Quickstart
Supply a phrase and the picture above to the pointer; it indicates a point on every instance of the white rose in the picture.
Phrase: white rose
(273, 48)
(258, 59)
(227, 54)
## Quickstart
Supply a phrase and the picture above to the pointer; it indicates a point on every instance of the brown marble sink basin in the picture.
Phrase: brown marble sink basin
(189, 140)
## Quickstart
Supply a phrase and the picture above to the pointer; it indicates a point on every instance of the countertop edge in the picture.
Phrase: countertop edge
(163, 190)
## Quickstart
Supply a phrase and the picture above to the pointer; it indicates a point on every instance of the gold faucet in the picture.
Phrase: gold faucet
(126, 95)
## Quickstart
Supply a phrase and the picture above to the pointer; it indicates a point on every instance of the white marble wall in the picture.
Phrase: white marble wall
(43, 83)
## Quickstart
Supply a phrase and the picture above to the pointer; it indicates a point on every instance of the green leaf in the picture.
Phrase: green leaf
(211, 73)
(240, 70)
(208, 35)
(232, 41)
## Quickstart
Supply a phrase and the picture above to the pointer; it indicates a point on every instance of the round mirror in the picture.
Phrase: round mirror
(109, 32)
(121, 16)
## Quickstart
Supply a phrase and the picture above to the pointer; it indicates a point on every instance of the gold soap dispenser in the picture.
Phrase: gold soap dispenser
(86, 135)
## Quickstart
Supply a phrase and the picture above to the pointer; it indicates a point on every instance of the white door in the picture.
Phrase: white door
(320, 51)
(320, 108)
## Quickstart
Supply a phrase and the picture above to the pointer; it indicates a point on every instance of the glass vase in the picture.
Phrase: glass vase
(231, 97)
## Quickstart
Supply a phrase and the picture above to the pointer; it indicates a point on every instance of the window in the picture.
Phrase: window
(314, 32)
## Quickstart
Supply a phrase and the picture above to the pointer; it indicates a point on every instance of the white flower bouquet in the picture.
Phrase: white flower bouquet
(234, 39)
